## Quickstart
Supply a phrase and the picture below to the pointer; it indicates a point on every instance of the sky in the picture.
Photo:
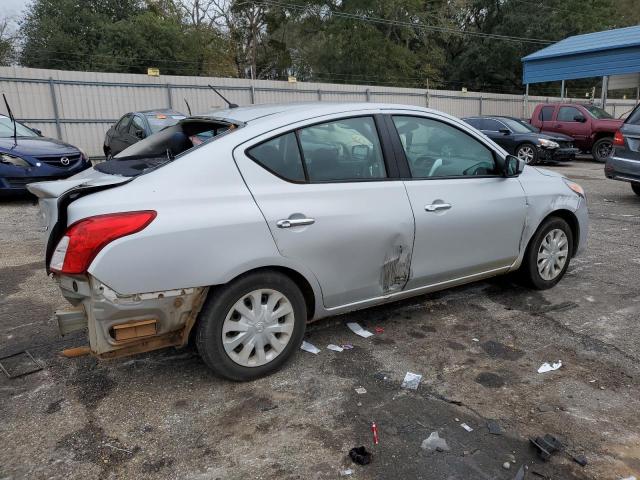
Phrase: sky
(12, 7)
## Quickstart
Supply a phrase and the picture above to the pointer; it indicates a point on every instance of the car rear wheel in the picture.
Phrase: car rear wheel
(527, 152)
(548, 254)
(250, 327)
(636, 188)
(602, 149)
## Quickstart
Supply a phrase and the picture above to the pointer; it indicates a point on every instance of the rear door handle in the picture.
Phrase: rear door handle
(434, 207)
(294, 222)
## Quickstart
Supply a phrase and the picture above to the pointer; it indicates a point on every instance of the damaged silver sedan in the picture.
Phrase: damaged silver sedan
(237, 228)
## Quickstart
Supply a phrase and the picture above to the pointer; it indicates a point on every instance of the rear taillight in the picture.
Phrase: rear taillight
(85, 238)
(618, 139)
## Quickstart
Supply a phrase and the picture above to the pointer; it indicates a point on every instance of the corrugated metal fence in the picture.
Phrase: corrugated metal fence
(79, 107)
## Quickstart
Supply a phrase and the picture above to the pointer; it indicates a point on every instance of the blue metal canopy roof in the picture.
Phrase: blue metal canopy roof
(612, 52)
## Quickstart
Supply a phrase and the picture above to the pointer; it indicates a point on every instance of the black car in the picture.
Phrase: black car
(134, 126)
(525, 141)
(624, 163)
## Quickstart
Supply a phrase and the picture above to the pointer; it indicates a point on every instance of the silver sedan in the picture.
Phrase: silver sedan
(239, 227)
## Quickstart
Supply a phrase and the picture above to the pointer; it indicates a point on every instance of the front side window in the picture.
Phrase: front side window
(435, 149)
(568, 114)
(280, 156)
(546, 113)
(342, 150)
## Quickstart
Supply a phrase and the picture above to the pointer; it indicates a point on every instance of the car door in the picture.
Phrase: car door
(566, 122)
(118, 141)
(469, 218)
(546, 117)
(334, 204)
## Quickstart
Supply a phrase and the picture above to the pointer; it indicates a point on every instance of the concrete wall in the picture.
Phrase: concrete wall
(79, 107)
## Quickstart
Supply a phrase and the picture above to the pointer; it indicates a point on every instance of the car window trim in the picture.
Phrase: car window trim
(405, 162)
(381, 138)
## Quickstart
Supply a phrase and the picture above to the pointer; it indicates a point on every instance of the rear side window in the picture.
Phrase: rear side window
(546, 114)
(567, 114)
(491, 125)
(280, 156)
(343, 150)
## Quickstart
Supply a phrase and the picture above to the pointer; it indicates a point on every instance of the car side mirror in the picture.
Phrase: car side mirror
(513, 166)
(579, 118)
(38, 131)
(505, 131)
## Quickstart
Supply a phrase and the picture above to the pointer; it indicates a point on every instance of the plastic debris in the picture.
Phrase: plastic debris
(494, 427)
(308, 347)
(520, 474)
(347, 346)
(345, 472)
(360, 455)
(335, 348)
(546, 367)
(374, 431)
(411, 381)
(466, 427)
(506, 465)
(358, 330)
(361, 390)
(434, 442)
(379, 330)
(475, 339)
(546, 446)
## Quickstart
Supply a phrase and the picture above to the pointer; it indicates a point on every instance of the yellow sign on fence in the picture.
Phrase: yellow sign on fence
(153, 72)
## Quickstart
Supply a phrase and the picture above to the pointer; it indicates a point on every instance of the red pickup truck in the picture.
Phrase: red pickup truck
(591, 127)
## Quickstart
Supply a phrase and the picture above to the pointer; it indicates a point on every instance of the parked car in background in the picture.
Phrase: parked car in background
(135, 126)
(591, 127)
(307, 211)
(524, 141)
(29, 157)
(624, 164)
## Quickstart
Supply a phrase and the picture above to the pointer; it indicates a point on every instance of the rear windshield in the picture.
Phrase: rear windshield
(158, 121)
(163, 147)
(634, 118)
(518, 126)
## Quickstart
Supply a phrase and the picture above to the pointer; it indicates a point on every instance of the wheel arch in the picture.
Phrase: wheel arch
(569, 217)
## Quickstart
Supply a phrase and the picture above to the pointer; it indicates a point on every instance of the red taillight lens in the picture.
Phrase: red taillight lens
(85, 238)
(618, 139)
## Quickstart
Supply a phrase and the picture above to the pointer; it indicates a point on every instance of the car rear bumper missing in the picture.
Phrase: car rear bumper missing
(120, 325)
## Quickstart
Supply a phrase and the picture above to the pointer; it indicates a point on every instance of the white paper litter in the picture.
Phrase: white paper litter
(335, 348)
(546, 367)
(434, 442)
(361, 390)
(475, 339)
(466, 427)
(629, 478)
(346, 472)
(358, 330)
(411, 381)
(308, 347)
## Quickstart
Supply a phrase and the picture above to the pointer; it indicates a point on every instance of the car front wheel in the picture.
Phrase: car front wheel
(602, 149)
(250, 327)
(527, 152)
(548, 254)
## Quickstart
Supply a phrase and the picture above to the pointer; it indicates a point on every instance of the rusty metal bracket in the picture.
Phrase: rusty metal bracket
(38, 367)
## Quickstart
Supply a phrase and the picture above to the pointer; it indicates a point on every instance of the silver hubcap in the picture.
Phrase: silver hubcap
(526, 153)
(553, 254)
(258, 327)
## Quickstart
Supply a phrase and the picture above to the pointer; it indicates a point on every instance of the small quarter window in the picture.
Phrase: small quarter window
(280, 156)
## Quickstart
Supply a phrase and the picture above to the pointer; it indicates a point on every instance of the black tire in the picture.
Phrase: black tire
(600, 148)
(528, 150)
(636, 188)
(221, 300)
(529, 270)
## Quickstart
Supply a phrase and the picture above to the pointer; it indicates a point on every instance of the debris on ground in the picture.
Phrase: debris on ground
(347, 346)
(494, 427)
(379, 330)
(19, 364)
(358, 330)
(546, 446)
(308, 347)
(547, 367)
(345, 472)
(520, 474)
(361, 390)
(360, 455)
(374, 431)
(434, 442)
(475, 339)
(579, 459)
(506, 465)
(466, 427)
(411, 381)
(384, 376)
(335, 348)
(76, 352)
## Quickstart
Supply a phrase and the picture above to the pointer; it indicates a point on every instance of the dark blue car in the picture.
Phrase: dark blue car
(29, 157)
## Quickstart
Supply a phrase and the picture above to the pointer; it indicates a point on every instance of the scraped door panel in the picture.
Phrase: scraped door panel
(359, 244)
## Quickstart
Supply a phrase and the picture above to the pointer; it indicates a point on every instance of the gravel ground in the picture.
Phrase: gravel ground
(163, 415)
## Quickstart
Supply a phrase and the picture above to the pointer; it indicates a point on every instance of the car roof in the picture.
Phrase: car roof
(160, 110)
(283, 113)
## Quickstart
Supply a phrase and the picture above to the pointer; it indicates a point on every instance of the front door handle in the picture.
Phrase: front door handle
(434, 207)
(294, 222)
